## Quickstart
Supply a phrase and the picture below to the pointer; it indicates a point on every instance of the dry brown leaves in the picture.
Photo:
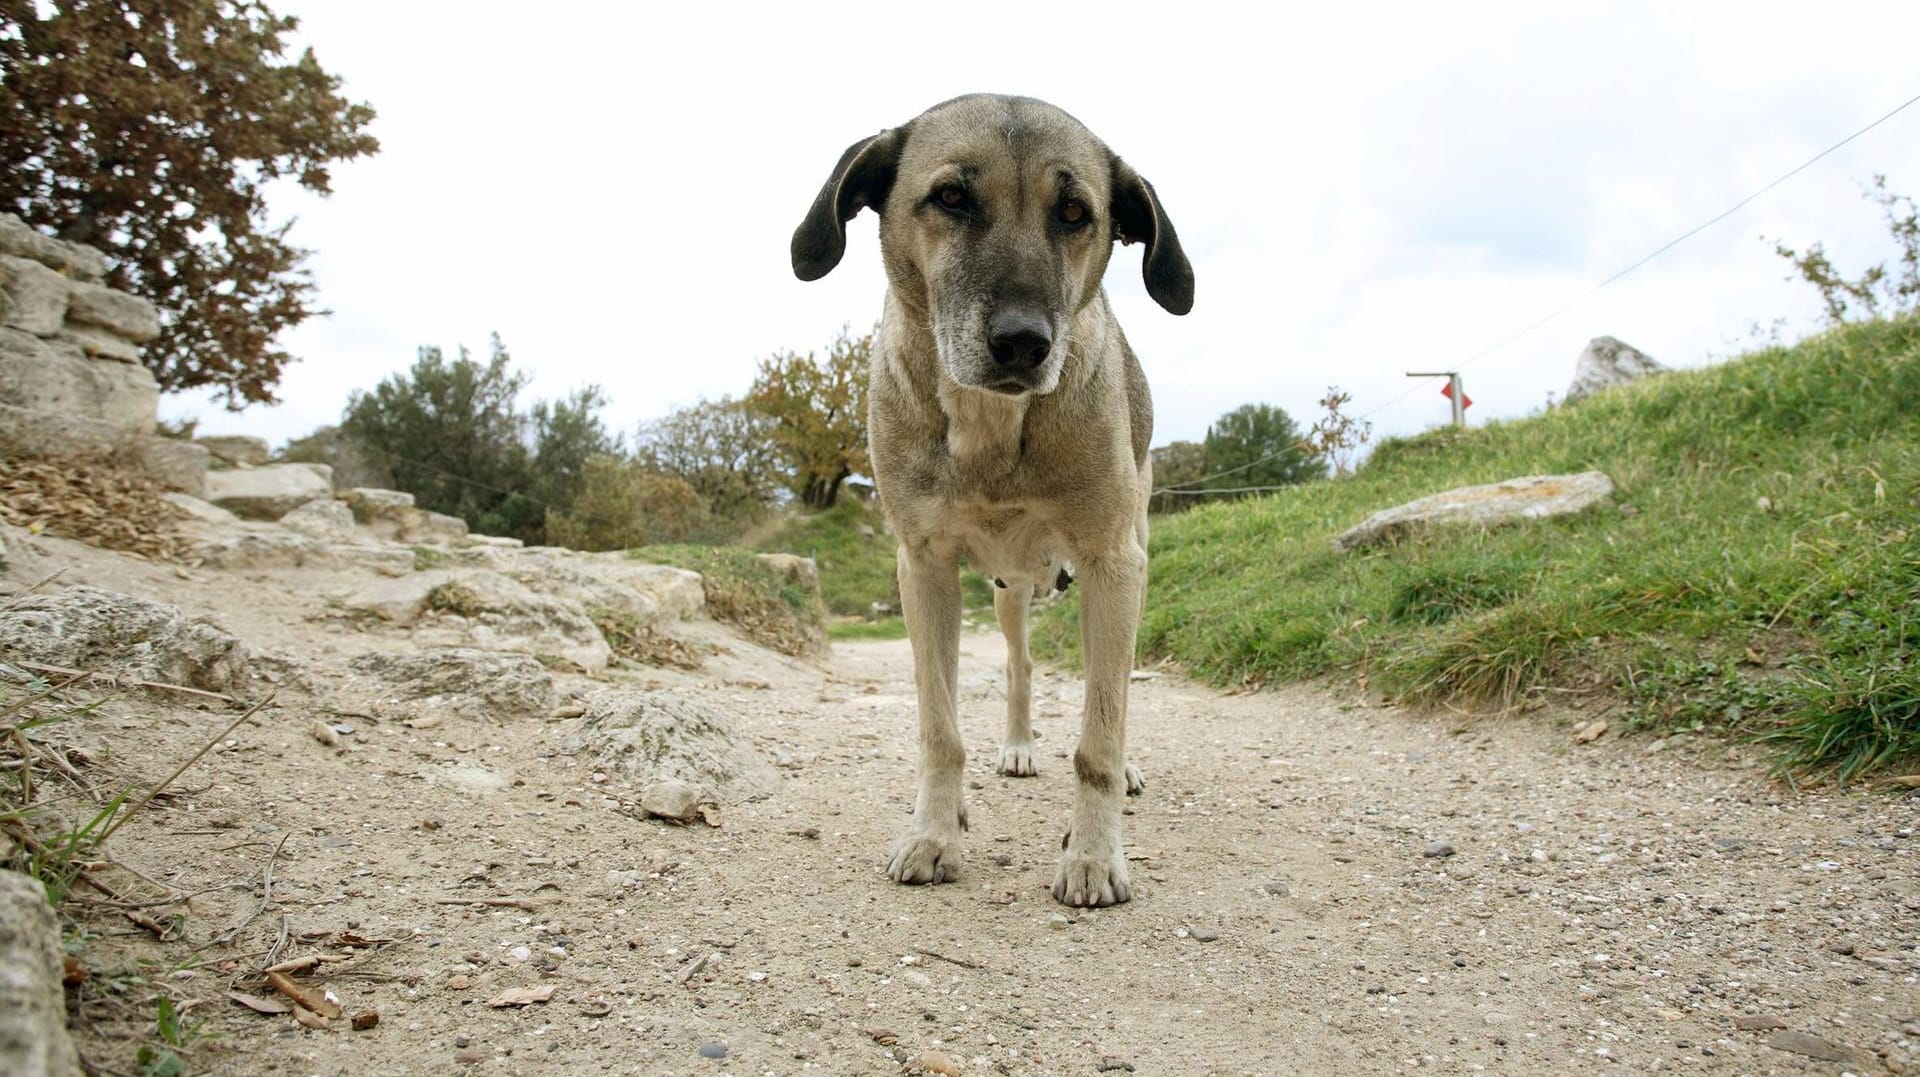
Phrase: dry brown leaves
(92, 501)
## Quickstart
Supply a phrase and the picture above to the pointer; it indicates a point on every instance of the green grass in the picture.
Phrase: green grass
(771, 607)
(1758, 570)
(857, 568)
(882, 628)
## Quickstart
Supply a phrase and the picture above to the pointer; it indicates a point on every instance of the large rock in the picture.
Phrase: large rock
(461, 682)
(33, 1006)
(171, 462)
(679, 593)
(485, 609)
(178, 465)
(268, 493)
(648, 737)
(275, 549)
(98, 343)
(321, 518)
(237, 449)
(37, 296)
(73, 260)
(55, 376)
(1607, 362)
(1529, 498)
(121, 314)
(101, 631)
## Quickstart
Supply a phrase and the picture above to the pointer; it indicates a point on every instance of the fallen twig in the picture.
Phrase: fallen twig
(524, 904)
(266, 893)
(78, 674)
(924, 952)
(14, 599)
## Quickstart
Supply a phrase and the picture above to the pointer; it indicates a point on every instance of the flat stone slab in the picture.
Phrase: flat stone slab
(1533, 497)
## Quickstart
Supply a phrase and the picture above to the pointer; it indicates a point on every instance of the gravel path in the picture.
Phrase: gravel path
(1320, 888)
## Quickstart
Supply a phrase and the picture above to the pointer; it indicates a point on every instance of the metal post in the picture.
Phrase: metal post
(1453, 390)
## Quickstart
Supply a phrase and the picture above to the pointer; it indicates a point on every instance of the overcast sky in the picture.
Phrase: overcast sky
(611, 187)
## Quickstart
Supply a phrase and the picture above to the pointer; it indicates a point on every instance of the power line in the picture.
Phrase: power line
(1589, 293)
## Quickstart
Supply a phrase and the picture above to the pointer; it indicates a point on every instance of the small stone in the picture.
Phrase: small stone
(458, 983)
(1588, 732)
(936, 1062)
(1806, 1043)
(913, 978)
(1437, 849)
(1058, 921)
(1110, 1064)
(1757, 1022)
(1843, 948)
(713, 1050)
(1202, 934)
(324, 733)
(1277, 889)
(462, 1040)
(365, 1020)
(521, 953)
(469, 1056)
(673, 800)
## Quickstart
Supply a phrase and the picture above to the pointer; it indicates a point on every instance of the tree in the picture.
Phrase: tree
(1178, 465)
(1877, 292)
(819, 414)
(723, 449)
(451, 434)
(624, 503)
(1336, 436)
(151, 129)
(1257, 445)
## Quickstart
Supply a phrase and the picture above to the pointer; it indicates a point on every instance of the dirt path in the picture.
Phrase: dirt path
(1603, 908)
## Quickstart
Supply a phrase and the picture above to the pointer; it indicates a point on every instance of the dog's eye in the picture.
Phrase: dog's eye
(1072, 214)
(951, 198)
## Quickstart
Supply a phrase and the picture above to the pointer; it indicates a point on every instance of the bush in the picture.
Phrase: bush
(623, 504)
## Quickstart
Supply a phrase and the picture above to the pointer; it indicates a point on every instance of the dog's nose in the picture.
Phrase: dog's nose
(1019, 341)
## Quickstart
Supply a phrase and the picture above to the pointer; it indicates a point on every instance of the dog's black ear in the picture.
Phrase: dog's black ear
(1137, 216)
(862, 178)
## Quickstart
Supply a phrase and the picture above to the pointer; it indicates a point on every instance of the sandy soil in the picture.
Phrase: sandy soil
(1603, 908)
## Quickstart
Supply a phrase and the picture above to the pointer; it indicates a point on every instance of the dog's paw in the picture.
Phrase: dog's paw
(1136, 781)
(1085, 881)
(921, 856)
(1016, 760)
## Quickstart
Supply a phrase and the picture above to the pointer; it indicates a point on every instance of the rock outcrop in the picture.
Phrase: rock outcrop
(1529, 498)
(1607, 362)
(99, 631)
(71, 379)
(458, 682)
(33, 1006)
(643, 738)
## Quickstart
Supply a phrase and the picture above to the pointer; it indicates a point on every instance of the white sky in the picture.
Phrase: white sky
(611, 186)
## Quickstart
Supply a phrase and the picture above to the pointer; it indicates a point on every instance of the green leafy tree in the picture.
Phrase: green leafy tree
(624, 503)
(1257, 445)
(725, 450)
(452, 435)
(818, 407)
(1178, 465)
(152, 129)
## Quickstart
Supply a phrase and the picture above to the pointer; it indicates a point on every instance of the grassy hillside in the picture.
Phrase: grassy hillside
(854, 552)
(1758, 570)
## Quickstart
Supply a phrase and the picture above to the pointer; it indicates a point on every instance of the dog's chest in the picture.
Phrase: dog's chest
(1012, 544)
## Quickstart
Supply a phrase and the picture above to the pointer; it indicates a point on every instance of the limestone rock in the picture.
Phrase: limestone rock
(432, 528)
(463, 682)
(171, 462)
(798, 569)
(237, 449)
(37, 296)
(91, 629)
(1529, 498)
(678, 593)
(570, 577)
(98, 344)
(1607, 362)
(671, 799)
(33, 1005)
(489, 610)
(399, 602)
(268, 493)
(656, 736)
(123, 315)
(256, 550)
(321, 518)
(370, 504)
(56, 376)
(74, 260)
(204, 511)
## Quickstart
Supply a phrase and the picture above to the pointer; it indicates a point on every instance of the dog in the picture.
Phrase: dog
(1008, 423)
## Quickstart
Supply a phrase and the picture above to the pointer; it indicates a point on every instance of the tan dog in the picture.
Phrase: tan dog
(1009, 422)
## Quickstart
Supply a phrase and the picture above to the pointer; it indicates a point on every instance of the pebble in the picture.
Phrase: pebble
(915, 978)
(520, 953)
(469, 1056)
(458, 983)
(1202, 934)
(462, 1040)
(1277, 889)
(713, 1050)
(1058, 921)
(1437, 849)
(937, 1062)
(324, 733)
(1110, 1064)
(366, 1019)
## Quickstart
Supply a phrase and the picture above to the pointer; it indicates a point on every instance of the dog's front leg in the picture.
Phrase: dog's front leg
(929, 852)
(1093, 870)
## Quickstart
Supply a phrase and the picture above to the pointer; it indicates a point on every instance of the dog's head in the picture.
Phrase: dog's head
(997, 218)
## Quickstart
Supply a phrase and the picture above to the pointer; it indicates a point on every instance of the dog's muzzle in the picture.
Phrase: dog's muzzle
(1019, 342)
